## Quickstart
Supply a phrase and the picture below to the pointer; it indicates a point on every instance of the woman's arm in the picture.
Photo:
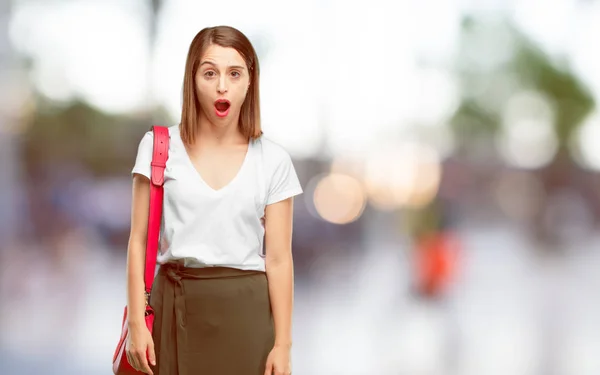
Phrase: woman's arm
(140, 347)
(136, 250)
(279, 268)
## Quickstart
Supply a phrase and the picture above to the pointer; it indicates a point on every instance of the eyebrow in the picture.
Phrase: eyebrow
(206, 62)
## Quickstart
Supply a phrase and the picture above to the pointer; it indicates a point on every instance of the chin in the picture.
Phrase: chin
(223, 121)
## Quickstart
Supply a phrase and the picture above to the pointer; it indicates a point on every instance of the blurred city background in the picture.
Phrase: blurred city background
(449, 152)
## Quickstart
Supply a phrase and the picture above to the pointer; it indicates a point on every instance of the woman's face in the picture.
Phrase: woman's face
(222, 83)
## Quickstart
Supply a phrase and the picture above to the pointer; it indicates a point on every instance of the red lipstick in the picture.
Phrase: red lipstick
(222, 107)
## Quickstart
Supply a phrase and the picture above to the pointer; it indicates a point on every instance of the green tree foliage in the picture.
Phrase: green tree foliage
(103, 143)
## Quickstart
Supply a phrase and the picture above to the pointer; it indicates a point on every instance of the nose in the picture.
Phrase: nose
(222, 85)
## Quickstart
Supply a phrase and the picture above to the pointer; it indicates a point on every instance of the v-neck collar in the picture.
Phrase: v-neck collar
(223, 189)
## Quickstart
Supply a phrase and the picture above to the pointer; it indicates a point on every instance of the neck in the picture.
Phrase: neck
(222, 134)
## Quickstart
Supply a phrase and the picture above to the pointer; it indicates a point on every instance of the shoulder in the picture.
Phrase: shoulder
(148, 137)
(273, 152)
(173, 130)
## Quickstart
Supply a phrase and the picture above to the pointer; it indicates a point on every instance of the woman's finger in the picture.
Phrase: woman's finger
(269, 368)
(143, 362)
(131, 360)
(128, 358)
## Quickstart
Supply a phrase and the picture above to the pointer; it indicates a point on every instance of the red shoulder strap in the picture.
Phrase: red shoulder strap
(159, 161)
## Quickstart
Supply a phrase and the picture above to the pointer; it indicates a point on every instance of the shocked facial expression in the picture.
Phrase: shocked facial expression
(222, 82)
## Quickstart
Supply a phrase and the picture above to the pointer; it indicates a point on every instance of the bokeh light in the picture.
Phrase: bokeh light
(339, 199)
(585, 144)
(405, 175)
(527, 138)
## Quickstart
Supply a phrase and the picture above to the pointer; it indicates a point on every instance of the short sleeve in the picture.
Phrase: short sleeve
(144, 155)
(284, 181)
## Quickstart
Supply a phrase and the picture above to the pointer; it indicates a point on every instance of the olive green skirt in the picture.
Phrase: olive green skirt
(213, 321)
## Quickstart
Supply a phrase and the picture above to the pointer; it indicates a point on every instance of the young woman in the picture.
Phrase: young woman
(223, 294)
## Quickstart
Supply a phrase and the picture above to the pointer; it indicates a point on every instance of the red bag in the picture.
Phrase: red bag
(160, 155)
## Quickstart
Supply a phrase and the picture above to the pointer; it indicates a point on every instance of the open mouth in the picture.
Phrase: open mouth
(222, 107)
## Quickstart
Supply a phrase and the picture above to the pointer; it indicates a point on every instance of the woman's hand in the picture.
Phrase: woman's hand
(278, 361)
(138, 344)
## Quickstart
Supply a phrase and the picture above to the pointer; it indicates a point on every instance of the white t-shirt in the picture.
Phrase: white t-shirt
(203, 227)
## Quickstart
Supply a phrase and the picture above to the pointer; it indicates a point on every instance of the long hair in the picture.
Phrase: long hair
(224, 36)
